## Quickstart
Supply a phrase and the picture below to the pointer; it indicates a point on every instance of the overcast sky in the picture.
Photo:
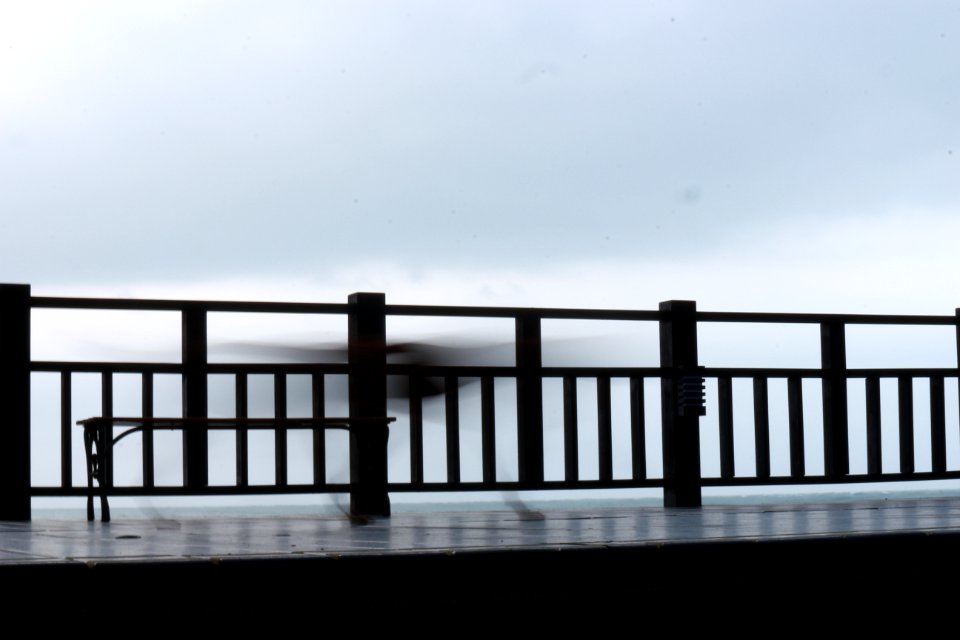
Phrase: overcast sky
(749, 155)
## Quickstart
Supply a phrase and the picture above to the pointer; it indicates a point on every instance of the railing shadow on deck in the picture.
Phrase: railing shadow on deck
(627, 439)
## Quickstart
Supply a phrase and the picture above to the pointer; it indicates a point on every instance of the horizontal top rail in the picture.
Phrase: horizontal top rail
(217, 306)
(229, 306)
(83, 366)
(513, 312)
(817, 318)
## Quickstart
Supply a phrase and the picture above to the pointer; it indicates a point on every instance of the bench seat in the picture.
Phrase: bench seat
(99, 440)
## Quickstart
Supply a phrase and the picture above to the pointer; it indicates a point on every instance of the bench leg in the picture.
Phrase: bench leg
(105, 450)
(97, 467)
(91, 469)
(104, 507)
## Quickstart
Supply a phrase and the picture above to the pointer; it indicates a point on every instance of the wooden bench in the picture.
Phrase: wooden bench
(369, 441)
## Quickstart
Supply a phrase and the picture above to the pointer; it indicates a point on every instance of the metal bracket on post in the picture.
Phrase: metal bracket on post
(691, 396)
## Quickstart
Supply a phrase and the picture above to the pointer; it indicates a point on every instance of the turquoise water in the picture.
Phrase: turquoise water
(325, 505)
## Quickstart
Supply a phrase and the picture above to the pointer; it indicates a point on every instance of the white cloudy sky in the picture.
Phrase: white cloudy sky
(751, 155)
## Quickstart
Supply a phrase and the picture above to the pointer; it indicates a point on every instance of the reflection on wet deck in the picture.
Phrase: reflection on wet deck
(892, 550)
(201, 539)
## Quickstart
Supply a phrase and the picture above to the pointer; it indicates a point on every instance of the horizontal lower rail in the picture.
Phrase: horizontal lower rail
(443, 487)
(919, 476)
(476, 371)
(399, 487)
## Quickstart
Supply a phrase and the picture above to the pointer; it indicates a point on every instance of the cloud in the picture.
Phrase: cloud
(892, 263)
(212, 142)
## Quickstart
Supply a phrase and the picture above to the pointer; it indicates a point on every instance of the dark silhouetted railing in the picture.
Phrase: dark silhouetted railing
(520, 387)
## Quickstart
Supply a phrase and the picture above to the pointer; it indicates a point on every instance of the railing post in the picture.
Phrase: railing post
(194, 352)
(367, 355)
(681, 428)
(833, 359)
(529, 354)
(15, 401)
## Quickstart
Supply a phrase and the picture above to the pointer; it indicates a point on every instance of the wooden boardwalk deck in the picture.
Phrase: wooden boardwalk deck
(138, 540)
(894, 549)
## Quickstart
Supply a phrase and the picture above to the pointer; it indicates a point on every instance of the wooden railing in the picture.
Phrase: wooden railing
(835, 378)
(622, 398)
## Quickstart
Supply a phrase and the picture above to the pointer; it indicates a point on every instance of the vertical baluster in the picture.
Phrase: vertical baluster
(280, 433)
(488, 429)
(874, 432)
(795, 413)
(905, 396)
(571, 468)
(605, 435)
(725, 417)
(761, 427)
(318, 402)
(416, 429)
(66, 431)
(146, 409)
(243, 477)
(638, 438)
(106, 394)
(106, 410)
(938, 426)
(451, 401)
